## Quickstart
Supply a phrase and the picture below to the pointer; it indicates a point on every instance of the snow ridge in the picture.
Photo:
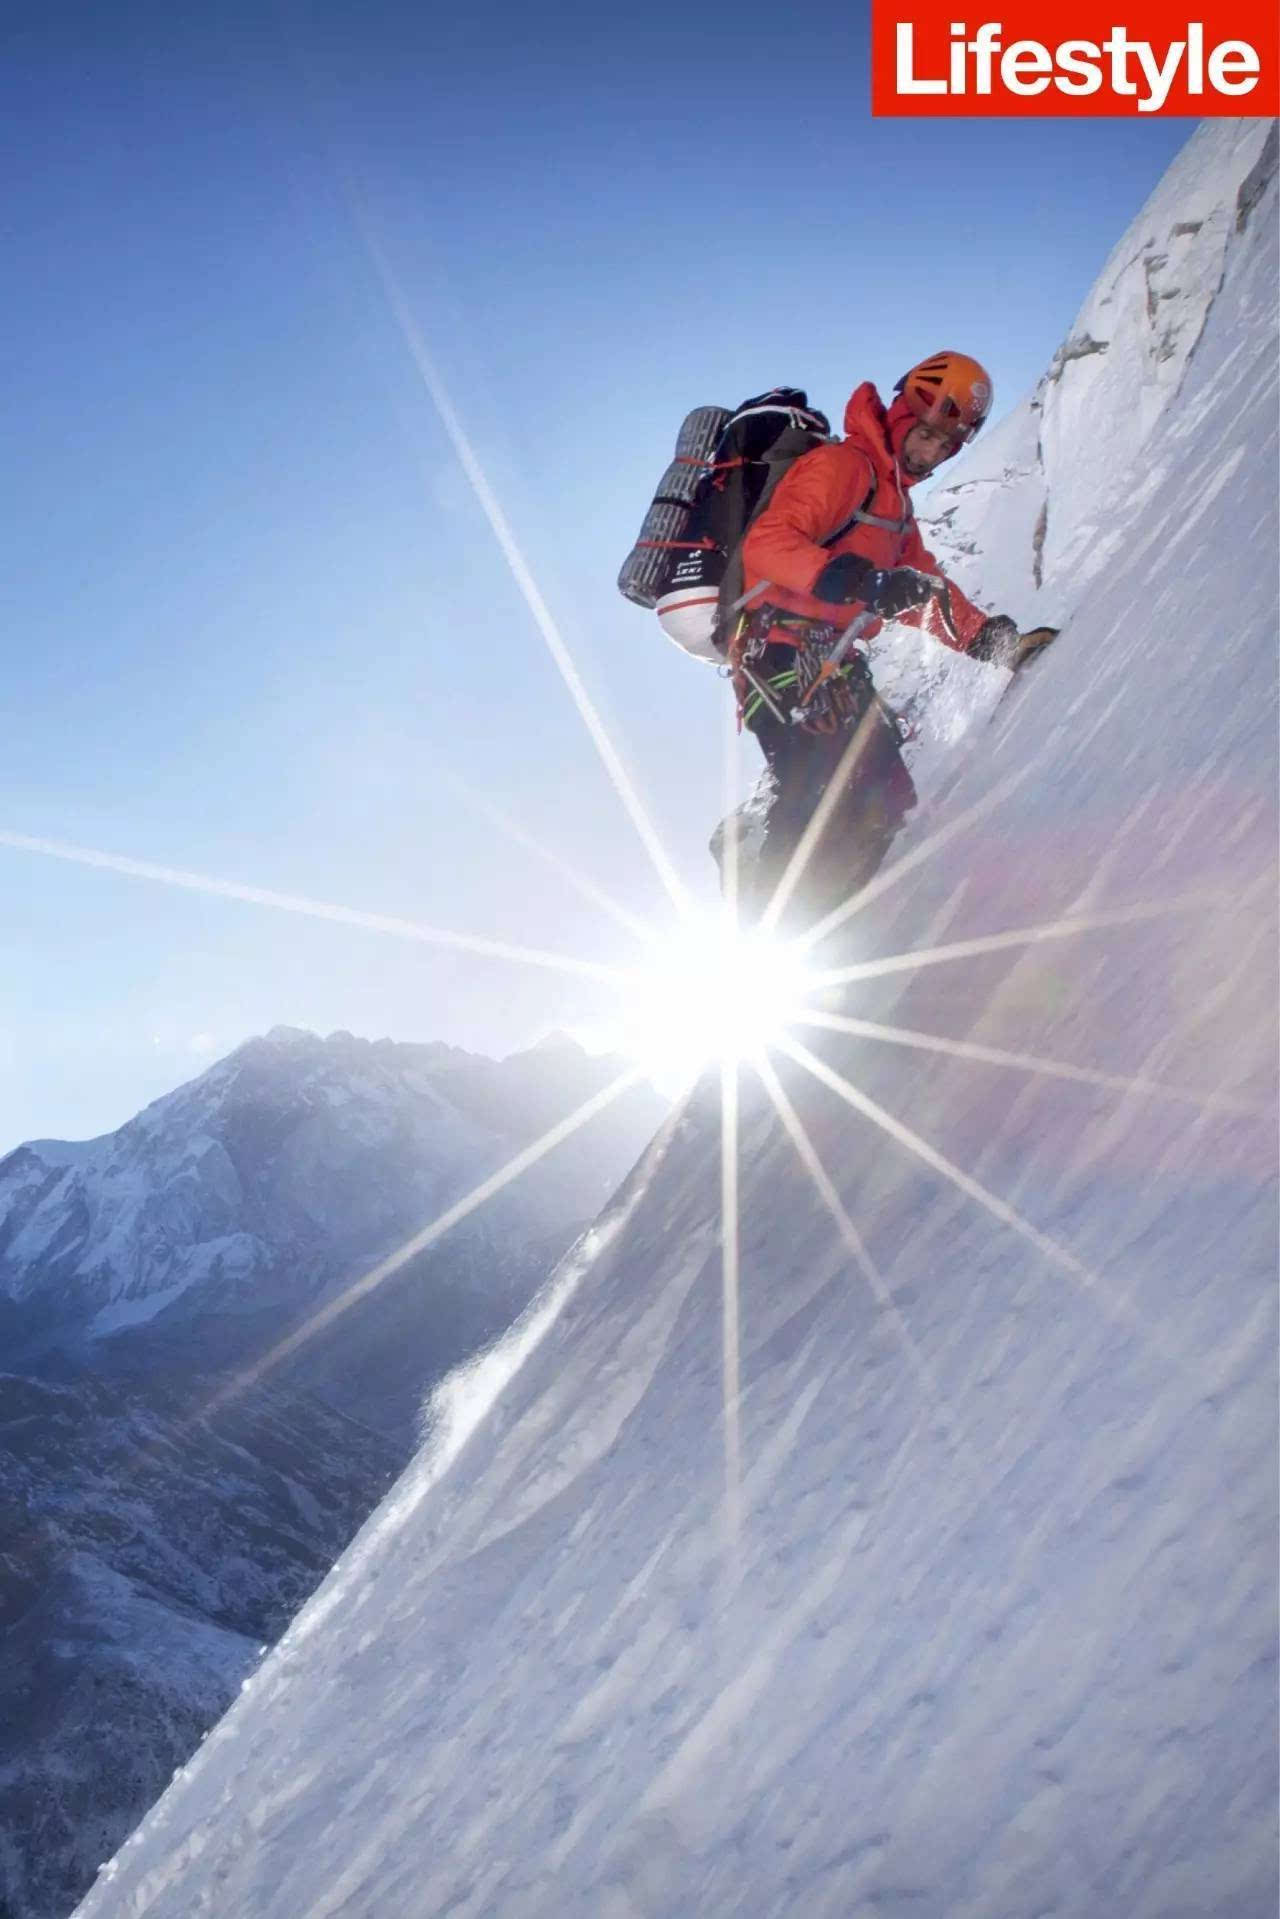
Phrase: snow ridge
(1031, 516)
(1068, 455)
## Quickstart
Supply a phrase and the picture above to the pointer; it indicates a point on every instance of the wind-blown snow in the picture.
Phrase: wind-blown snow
(459, 1404)
(1004, 1647)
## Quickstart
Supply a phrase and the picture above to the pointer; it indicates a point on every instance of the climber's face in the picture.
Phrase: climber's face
(926, 447)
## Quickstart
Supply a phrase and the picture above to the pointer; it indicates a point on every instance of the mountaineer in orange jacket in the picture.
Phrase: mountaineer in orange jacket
(837, 543)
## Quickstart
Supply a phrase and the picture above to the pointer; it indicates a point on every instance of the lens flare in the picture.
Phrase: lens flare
(712, 991)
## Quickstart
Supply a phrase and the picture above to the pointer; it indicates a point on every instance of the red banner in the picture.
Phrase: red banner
(930, 57)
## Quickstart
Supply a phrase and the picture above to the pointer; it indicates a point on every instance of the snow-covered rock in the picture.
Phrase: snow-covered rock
(1033, 514)
(931, 1567)
(1031, 517)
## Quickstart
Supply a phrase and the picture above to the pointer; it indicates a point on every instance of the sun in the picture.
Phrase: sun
(711, 991)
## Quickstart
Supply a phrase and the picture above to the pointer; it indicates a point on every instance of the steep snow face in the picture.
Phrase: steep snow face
(1030, 519)
(253, 1182)
(966, 1602)
(1035, 513)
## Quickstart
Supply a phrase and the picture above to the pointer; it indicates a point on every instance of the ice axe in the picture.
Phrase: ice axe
(1032, 642)
(1013, 648)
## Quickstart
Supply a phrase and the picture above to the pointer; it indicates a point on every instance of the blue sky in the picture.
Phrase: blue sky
(255, 624)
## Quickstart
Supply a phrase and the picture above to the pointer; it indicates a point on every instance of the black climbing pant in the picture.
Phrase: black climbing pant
(856, 777)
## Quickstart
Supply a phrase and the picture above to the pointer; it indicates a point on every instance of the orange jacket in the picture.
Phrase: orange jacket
(783, 547)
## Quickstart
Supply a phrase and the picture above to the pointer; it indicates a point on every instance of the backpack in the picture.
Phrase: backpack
(686, 563)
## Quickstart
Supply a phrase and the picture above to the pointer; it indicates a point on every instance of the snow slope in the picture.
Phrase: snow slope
(985, 1625)
(1032, 516)
(1077, 441)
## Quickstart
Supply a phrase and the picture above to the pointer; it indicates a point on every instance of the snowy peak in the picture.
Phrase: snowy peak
(1153, 295)
(284, 1159)
(1033, 516)
(1037, 509)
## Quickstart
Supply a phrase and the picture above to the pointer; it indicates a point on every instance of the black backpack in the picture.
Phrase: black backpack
(687, 562)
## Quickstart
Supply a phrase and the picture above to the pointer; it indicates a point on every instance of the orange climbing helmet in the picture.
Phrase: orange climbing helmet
(948, 390)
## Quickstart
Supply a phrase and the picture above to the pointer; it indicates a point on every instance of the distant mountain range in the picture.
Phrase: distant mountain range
(149, 1547)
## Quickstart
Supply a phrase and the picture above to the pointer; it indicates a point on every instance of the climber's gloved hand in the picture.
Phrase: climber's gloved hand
(887, 592)
(843, 580)
(996, 639)
(897, 590)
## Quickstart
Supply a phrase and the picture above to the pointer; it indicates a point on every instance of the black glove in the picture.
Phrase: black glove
(844, 579)
(897, 590)
(996, 639)
(886, 592)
